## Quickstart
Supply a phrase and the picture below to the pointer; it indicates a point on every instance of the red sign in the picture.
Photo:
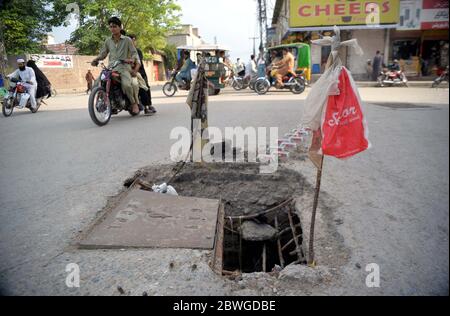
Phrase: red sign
(434, 15)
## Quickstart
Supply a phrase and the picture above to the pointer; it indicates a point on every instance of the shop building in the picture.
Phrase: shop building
(413, 31)
(306, 20)
(420, 41)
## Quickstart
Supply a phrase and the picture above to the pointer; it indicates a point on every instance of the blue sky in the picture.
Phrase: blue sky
(233, 22)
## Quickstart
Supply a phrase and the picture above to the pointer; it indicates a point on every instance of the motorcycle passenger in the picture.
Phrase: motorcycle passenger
(284, 67)
(275, 59)
(145, 94)
(185, 71)
(120, 47)
(28, 77)
(44, 87)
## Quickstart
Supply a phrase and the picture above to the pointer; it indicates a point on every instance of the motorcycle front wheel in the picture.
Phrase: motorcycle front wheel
(7, 106)
(238, 84)
(99, 110)
(169, 89)
(380, 81)
(262, 86)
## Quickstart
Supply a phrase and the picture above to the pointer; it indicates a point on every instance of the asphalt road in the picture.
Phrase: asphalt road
(57, 170)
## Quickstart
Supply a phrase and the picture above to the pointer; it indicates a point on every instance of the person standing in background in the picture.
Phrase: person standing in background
(89, 80)
(376, 65)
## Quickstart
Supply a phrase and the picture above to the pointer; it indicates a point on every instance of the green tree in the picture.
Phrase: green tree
(170, 52)
(150, 20)
(24, 24)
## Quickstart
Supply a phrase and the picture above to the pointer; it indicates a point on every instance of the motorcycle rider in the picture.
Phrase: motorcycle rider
(185, 71)
(395, 66)
(284, 67)
(28, 77)
(240, 68)
(120, 47)
(251, 69)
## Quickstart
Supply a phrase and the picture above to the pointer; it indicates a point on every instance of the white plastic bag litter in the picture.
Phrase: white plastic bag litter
(164, 189)
(328, 83)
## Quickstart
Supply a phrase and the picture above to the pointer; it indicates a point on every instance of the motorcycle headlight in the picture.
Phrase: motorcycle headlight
(103, 77)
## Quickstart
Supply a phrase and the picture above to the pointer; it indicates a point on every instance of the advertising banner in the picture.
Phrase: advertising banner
(53, 61)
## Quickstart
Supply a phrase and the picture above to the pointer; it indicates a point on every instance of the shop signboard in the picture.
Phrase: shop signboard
(423, 15)
(357, 13)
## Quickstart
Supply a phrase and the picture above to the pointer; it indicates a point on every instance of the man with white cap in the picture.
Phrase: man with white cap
(28, 77)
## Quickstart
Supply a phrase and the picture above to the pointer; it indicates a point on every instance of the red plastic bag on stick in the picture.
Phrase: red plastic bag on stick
(344, 129)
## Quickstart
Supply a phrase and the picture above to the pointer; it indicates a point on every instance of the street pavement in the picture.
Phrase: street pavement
(57, 171)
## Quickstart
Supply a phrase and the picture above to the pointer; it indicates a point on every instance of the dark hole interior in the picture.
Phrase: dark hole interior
(247, 256)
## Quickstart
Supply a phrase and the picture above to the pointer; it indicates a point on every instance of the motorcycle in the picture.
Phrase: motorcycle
(392, 78)
(171, 87)
(441, 78)
(249, 82)
(18, 97)
(106, 97)
(236, 82)
(295, 83)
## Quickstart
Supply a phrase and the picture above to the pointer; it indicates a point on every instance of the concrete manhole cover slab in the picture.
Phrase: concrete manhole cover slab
(145, 219)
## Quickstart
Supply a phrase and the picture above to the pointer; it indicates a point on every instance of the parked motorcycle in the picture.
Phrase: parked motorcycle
(18, 97)
(106, 97)
(392, 78)
(441, 78)
(171, 87)
(293, 82)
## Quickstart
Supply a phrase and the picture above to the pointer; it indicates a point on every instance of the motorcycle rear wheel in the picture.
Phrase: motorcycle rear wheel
(300, 86)
(97, 95)
(169, 89)
(7, 109)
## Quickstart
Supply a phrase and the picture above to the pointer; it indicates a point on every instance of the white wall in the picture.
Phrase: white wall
(370, 41)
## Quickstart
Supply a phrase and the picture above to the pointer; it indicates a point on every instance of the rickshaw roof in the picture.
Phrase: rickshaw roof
(289, 46)
(204, 47)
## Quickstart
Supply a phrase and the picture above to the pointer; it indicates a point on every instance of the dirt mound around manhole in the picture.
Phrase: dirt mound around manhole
(240, 186)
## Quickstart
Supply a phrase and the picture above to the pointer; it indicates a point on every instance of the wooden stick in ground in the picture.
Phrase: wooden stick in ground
(297, 246)
(311, 261)
(280, 253)
(264, 259)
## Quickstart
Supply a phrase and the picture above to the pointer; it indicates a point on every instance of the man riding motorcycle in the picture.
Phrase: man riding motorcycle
(283, 67)
(120, 47)
(185, 71)
(28, 77)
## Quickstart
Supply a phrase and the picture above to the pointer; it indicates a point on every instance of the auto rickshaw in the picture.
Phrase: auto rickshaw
(215, 69)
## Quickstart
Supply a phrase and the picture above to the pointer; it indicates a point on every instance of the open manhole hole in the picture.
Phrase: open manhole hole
(258, 227)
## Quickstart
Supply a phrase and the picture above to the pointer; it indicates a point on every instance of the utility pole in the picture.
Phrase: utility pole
(254, 44)
(262, 19)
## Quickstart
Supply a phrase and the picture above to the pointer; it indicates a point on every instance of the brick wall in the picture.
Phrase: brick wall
(73, 79)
